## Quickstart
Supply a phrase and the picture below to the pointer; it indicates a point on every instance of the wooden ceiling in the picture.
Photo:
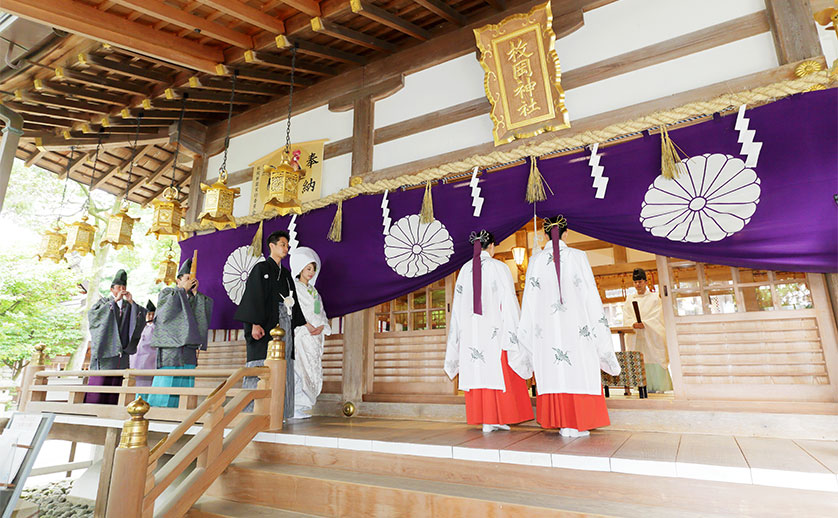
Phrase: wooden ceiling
(149, 57)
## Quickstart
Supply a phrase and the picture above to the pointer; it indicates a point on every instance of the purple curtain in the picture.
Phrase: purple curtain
(786, 204)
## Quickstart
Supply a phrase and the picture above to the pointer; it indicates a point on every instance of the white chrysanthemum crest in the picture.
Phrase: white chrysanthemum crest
(236, 270)
(750, 148)
(413, 248)
(600, 181)
(476, 199)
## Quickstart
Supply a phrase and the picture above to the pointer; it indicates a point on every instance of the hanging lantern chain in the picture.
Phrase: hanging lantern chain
(177, 143)
(223, 168)
(93, 174)
(290, 101)
(134, 147)
(66, 181)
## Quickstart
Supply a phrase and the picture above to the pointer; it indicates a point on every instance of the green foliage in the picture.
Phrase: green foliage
(36, 307)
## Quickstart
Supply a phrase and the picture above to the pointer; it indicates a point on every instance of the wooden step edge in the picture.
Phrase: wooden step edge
(209, 507)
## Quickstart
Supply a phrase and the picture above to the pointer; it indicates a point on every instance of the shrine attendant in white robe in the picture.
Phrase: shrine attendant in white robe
(649, 335)
(484, 317)
(308, 338)
(563, 337)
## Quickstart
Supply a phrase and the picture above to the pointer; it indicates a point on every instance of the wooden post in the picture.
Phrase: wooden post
(362, 136)
(215, 414)
(105, 473)
(357, 332)
(196, 195)
(127, 483)
(794, 31)
(276, 363)
(35, 365)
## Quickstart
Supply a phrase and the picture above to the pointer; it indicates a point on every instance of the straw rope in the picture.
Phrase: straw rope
(759, 95)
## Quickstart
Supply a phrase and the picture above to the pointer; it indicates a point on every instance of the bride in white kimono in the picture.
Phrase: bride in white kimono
(308, 339)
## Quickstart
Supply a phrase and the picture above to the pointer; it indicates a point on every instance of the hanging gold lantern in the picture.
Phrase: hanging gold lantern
(167, 215)
(120, 228)
(52, 244)
(167, 273)
(80, 237)
(283, 188)
(218, 203)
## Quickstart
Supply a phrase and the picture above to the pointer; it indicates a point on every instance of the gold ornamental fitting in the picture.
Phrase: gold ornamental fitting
(349, 409)
(135, 430)
(39, 350)
(276, 347)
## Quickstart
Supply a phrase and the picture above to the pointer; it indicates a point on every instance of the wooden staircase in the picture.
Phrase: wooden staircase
(276, 480)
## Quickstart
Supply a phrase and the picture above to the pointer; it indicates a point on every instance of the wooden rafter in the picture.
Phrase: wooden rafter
(222, 83)
(83, 19)
(46, 111)
(373, 12)
(319, 51)
(264, 76)
(61, 102)
(323, 26)
(248, 14)
(135, 72)
(126, 87)
(133, 113)
(443, 10)
(499, 5)
(35, 156)
(56, 143)
(284, 63)
(309, 7)
(213, 96)
(77, 161)
(48, 121)
(175, 104)
(182, 18)
(75, 91)
(113, 170)
(164, 166)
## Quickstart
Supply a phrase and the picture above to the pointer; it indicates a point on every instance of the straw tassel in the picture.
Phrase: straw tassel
(535, 184)
(256, 244)
(336, 230)
(671, 166)
(426, 215)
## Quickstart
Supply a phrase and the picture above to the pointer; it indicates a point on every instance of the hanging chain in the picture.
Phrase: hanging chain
(134, 147)
(93, 174)
(66, 181)
(223, 169)
(290, 101)
(177, 143)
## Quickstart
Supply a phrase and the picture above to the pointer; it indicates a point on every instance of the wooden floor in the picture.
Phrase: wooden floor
(801, 464)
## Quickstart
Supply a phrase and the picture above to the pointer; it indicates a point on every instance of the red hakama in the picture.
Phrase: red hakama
(579, 411)
(490, 406)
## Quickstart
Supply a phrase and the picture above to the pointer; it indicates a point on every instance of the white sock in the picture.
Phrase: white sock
(564, 432)
(576, 433)
(501, 427)
(488, 428)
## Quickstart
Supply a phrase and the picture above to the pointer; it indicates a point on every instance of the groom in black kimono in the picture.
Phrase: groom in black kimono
(270, 299)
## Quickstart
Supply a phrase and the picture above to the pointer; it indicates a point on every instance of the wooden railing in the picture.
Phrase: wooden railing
(140, 476)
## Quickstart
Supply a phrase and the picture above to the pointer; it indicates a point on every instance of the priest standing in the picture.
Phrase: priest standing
(116, 323)
(269, 299)
(484, 317)
(181, 326)
(564, 337)
(146, 355)
(649, 334)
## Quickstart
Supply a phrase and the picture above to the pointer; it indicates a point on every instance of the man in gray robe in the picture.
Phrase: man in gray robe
(180, 329)
(115, 323)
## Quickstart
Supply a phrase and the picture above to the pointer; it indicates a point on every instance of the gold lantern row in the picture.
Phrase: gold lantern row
(80, 236)
(52, 244)
(283, 188)
(167, 272)
(120, 228)
(167, 215)
(218, 203)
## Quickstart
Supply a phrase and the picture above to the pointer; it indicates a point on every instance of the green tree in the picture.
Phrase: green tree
(39, 303)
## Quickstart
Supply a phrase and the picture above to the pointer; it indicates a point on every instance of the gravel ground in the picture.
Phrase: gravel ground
(52, 501)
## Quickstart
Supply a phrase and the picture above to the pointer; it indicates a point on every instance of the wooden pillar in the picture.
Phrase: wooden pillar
(123, 484)
(11, 134)
(620, 254)
(196, 196)
(794, 31)
(362, 135)
(357, 333)
(275, 406)
(28, 379)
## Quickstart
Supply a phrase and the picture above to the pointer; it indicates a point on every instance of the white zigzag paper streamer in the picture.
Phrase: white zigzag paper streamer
(750, 148)
(476, 199)
(292, 233)
(385, 212)
(600, 181)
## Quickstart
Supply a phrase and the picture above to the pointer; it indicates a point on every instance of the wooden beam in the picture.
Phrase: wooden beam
(362, 130)
(613, 269)
(175, 105)
(284, 63)
(376, 92)
(74, 91)
(56, 143)
(192, 136)
(443, 10)
(319, 51)
(222, 83)
(168, 114)
(46, 111)
(596, 244)
(88, 21)
(61, 102)
(309, 7)
(793, 27)
(247, 14)
(182, 18)
(195, 201)
(620, 254)
(47, 121)
(34, 157)
(74, 165)
(499, 5)
(433, 120)
(377, 14)
(127, 87)
(150, 180)
(264, 76)
(211, 96)
(323, 26)
(115, 169)
(158, 192)
(135, 72)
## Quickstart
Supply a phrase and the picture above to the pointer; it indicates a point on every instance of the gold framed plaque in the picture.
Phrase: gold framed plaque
(522, 75)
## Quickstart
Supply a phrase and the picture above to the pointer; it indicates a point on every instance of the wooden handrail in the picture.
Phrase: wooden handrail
(199, 373)
(134, 389)
(219, 396)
